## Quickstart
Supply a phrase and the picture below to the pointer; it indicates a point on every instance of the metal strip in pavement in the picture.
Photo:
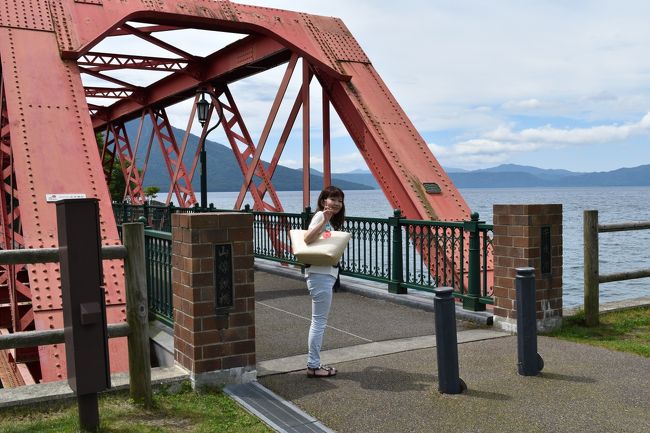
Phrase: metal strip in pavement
(279, 414)
(370, 350)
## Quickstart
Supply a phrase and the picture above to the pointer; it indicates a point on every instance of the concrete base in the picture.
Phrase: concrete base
(510, 325)
(232, 376)
(162, 344)
(612, 306)
(504, 324)
(549, 324)
(48, 392)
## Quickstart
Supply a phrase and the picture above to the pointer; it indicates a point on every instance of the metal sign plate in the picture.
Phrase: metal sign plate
(50, 198)
(224, 297)
(545, 253)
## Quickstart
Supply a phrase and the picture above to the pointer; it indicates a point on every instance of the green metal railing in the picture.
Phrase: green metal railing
(158, 254)
(400, 252)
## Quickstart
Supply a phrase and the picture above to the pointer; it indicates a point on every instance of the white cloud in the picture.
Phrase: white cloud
(525, 104)
(468, 67)
(502, 143)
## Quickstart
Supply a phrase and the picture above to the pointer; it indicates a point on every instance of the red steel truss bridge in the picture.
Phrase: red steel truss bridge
(59, 88)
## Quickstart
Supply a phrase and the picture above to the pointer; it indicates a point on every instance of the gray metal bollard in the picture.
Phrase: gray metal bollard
(446, 342)
(529, 362)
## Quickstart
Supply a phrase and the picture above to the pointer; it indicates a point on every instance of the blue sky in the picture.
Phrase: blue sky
(552, 84)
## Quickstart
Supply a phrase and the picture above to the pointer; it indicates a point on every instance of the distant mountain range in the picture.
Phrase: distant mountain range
(224, 173)
(511, 175)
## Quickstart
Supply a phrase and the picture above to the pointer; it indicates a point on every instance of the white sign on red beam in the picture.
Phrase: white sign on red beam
(57, 197)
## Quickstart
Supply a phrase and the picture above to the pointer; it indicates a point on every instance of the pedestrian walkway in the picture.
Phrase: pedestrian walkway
(283, 315)
(384, 349)
(389, 383)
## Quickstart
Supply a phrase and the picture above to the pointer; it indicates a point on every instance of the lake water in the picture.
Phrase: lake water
(619, 251)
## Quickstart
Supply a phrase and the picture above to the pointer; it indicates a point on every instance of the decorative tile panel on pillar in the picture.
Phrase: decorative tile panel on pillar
(214, 296)
(528, 236)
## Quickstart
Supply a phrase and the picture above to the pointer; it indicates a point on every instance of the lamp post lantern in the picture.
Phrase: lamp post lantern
(202, 109)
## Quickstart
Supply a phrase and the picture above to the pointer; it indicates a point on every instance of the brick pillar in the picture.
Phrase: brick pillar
(215, 343)
(521, 239)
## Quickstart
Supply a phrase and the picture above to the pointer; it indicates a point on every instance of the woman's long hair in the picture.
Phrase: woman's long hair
(333, 192)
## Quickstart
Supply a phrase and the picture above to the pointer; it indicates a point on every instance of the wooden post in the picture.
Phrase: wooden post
(591, 289)
(137, 313)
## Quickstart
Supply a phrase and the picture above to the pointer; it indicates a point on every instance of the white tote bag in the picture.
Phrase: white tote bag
(324, 251)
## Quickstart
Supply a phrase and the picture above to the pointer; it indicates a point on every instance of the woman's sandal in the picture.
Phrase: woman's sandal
(322, 371)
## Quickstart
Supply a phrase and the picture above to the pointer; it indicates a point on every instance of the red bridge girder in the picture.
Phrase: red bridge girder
(45, 46)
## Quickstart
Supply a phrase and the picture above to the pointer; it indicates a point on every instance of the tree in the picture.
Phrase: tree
(116, 184)
(150, 192)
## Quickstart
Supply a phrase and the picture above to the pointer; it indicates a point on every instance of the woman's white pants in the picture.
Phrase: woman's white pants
(320, 288)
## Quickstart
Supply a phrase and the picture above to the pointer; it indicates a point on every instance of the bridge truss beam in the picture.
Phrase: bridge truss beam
(48, 127)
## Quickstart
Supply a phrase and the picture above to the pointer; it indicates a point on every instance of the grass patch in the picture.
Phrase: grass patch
(186, 411)
(624, 330)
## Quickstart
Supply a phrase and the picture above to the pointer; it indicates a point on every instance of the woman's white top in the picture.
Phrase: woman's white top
(331, 270)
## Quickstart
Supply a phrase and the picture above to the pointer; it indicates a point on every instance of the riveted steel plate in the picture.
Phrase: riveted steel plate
(332, 35)
(156, 5)
(25, 14)
(344, 47)
(60, 20)
(50, 130)
(56, 369)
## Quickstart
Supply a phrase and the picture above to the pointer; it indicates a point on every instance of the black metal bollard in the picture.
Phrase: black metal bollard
(446, 342)
(529, 362)
(83, 304)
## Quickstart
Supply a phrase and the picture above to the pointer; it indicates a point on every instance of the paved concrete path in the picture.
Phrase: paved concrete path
(389, 384)
(283, 314)
(581, 389)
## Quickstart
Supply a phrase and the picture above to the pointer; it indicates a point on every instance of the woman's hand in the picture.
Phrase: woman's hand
(327, 213)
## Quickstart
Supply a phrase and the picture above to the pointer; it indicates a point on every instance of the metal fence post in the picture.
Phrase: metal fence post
(124, 213)
(167, 226)
(142, 220)
(447, 342)
(591, 271)
(471, 300)
(305, 216)
(529, 361)
(396, 271)
(137, 313)
(117, 212)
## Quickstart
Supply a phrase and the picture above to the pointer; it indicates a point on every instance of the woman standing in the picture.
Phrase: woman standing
(320, 279)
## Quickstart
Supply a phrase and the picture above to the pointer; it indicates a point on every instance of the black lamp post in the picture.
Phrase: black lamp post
(202, 109)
